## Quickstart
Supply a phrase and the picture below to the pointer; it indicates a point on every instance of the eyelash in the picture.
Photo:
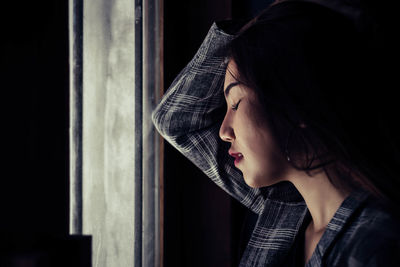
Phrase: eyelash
(235, 107)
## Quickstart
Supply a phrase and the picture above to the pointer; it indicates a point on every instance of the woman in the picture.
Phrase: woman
(294, 142)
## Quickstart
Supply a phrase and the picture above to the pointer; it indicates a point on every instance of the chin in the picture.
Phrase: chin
(256, 182)
(253, 183)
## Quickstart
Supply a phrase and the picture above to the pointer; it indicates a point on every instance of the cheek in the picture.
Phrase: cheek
(254, 130)
(263, 146)
(265, 163)
(257, 130)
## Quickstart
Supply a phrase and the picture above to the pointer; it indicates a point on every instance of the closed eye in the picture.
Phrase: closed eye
(235, 107)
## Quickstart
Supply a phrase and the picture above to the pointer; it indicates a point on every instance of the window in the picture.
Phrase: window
(115, 66)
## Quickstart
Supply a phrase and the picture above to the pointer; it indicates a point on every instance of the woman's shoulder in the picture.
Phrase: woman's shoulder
(371, 238)
(376, 217)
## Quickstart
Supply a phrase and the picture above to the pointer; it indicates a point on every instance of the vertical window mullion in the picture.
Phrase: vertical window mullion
(138, 133)
(75, 82)
(152, 82)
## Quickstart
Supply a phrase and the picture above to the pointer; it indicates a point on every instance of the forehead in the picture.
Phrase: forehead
(231, 83)
(230, 78)
(231, 72)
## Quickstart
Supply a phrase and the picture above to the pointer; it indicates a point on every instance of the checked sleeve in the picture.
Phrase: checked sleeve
(191, 112)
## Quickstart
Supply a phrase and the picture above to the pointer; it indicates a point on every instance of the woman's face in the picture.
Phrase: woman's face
(256, 152)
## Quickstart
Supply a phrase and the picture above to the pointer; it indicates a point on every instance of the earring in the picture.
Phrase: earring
(296, 135)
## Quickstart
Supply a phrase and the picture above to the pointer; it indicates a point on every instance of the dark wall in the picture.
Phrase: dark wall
(247, 9)
(34, 64)
(34, 187)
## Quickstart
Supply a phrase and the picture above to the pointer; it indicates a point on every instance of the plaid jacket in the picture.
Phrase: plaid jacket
(189, 117)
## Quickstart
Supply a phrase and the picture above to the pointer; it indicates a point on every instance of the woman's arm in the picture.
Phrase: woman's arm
(190, 114)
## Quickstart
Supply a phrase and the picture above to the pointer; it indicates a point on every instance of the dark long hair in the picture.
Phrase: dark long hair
(323, 80)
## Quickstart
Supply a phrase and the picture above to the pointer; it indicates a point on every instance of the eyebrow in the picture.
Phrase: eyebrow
(229, 87)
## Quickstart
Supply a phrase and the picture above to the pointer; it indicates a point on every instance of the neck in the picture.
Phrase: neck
(321, 197)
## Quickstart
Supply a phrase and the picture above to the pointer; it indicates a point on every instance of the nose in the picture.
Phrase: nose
(226, 131)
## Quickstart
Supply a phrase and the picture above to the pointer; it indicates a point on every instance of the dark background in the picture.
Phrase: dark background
(34, 70)
(203, 225)
(34, 186)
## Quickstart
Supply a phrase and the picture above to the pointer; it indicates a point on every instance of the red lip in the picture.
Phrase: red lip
(238, 156)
